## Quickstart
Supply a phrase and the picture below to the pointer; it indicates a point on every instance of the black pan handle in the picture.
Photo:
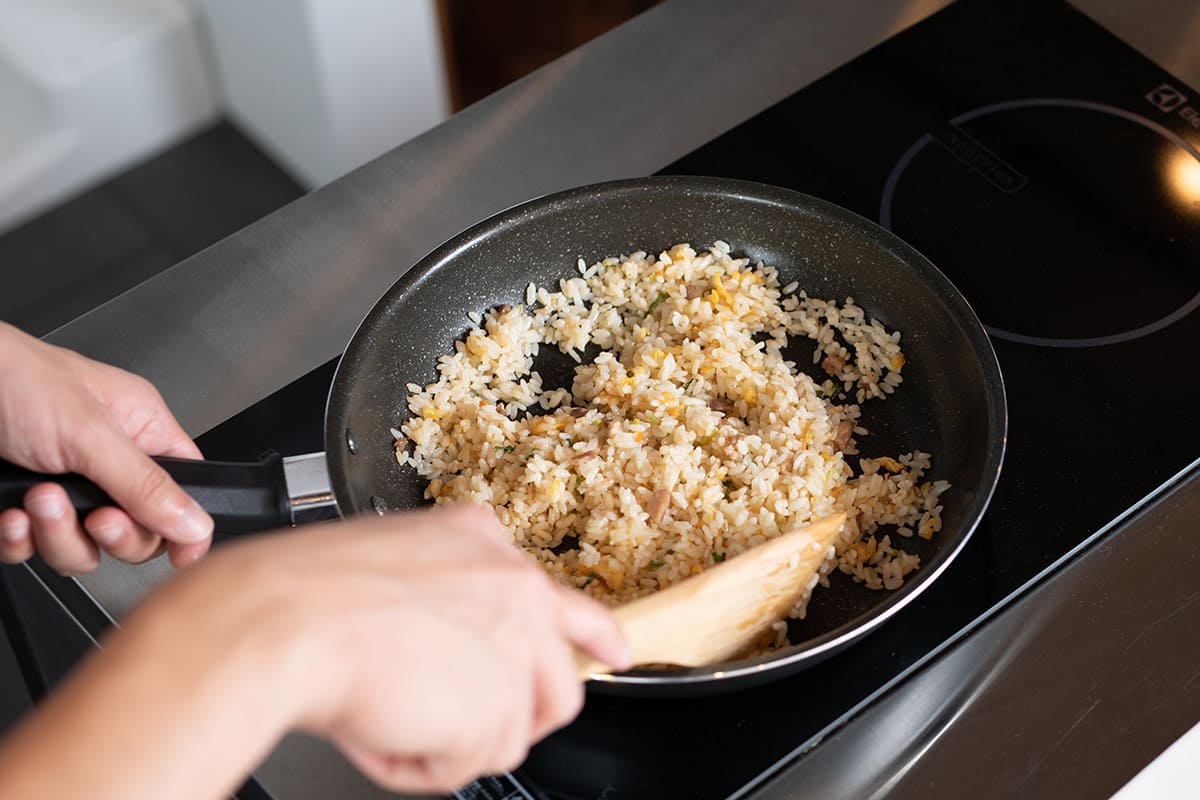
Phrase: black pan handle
(241, 497)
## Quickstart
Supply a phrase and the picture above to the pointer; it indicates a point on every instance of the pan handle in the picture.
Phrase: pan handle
(241, 497)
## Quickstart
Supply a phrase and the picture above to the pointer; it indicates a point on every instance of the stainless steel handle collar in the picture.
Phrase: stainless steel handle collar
(310, 495)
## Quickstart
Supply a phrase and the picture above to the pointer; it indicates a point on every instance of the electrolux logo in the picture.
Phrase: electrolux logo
(1169, 100)
(1166, 97)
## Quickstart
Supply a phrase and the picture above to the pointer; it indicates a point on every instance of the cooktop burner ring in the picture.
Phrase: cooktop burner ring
(1010, 181)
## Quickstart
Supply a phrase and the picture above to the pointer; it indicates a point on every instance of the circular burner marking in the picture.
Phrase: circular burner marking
(885, 212)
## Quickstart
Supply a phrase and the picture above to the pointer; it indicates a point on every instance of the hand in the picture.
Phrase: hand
(423, 644)
(61, 412)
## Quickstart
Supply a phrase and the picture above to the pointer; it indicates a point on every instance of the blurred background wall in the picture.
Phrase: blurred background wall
(134, 133)
(89, 87)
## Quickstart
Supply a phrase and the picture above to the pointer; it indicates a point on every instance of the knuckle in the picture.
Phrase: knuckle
(80, 451)
(149, 552)
(12, 555)
(572, 700)
(459, 511)
(155, 483)
(393, 777)
(79, 562)
(125, 550)
(447, 774)
(479, 511)
(513, 756)
(77, 568)
(117, 544)
(477, 517)
(67, 551)
(144, 387)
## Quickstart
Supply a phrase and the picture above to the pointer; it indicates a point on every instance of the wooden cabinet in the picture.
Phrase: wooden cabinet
(491, 43)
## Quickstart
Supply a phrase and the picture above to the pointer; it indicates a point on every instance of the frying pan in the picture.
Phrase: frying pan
(950, 405)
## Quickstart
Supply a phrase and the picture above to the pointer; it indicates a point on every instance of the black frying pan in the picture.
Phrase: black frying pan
(951, 403)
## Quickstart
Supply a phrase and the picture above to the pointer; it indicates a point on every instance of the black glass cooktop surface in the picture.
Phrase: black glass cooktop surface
(1052, 173)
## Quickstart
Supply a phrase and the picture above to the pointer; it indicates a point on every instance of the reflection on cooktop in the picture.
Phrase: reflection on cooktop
(1072, 220)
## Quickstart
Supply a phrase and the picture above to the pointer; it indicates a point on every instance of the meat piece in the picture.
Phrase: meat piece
(657, 508)
(586, 455)
(833, 364)
(692, 292)
(720, 404)
(504, 309)
(842, 434)
(577, 412)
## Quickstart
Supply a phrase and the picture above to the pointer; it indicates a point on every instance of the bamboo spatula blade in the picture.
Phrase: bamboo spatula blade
(721, 611)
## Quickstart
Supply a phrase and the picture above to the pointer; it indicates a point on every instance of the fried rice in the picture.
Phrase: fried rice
(687, 439)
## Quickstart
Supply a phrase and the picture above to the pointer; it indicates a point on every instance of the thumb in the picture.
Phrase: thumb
(141, 487)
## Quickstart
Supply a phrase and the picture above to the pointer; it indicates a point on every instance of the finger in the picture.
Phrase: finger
(184, 555)
(120, 536)
(57, 534)
(139, 486)
(16, 541)
(592, 628)
(421, 774)
(511, 755)
(477, 525)
(510, 740)
(558, 694)
(474, 517)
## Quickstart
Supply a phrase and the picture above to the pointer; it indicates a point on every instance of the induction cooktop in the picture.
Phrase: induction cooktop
(1053, 174)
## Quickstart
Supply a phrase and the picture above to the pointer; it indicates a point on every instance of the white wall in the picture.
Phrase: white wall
(326, 85)
(88, 87)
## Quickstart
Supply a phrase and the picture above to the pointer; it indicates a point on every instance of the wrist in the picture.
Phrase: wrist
(231, 629)
(182, 702)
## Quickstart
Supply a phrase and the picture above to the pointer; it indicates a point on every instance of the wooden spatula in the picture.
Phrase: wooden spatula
(721, 611)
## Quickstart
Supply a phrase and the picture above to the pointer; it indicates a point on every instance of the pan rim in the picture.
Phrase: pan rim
(823, 645)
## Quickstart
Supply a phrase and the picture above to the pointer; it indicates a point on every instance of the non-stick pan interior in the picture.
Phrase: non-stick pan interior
(950, 404)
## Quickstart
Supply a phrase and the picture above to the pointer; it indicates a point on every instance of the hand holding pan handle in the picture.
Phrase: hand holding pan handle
(241, 497)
